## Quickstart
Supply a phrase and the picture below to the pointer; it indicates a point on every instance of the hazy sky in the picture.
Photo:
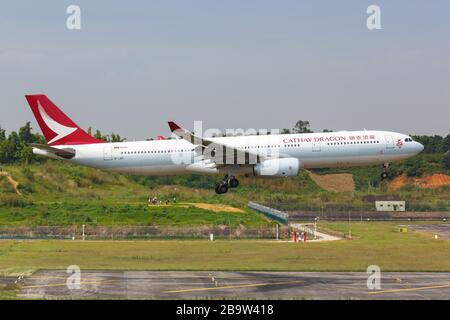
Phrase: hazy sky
(231, 63)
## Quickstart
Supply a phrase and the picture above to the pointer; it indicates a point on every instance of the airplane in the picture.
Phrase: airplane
(265, 156)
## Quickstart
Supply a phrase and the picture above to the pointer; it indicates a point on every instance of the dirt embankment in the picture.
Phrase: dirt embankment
(14, 183)
(218, 207)
(433, 181)
(205, 206)
(337, 182)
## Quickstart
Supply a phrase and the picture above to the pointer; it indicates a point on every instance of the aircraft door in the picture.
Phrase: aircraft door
(107, 152)
(389, 141)
(317, 146)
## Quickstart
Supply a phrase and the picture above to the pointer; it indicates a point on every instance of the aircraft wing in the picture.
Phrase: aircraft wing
(66, 153)
(187, 135)
(220, 153)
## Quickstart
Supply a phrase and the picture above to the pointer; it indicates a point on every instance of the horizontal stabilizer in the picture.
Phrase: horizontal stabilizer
(66, 153)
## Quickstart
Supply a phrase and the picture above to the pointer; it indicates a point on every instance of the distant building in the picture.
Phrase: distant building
(390, 205)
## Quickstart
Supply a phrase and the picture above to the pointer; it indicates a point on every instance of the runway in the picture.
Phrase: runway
(51, 284)
(441, 230)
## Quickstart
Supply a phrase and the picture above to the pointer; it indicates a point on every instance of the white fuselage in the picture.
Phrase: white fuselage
(313, 150)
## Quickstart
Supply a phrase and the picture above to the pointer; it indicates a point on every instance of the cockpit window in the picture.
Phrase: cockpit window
(408, 140)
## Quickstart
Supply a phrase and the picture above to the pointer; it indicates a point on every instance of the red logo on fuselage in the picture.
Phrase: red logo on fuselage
(399, 143)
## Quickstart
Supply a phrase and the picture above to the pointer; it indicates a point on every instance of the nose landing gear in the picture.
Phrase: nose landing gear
(228, 182)
(386, 174)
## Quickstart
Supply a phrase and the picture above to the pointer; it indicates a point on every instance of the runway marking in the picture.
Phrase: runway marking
(235, 286)
(64, 284)
(410, 289)
(61, 277)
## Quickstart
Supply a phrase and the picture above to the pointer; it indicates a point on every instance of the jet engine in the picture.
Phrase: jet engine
(284, 167)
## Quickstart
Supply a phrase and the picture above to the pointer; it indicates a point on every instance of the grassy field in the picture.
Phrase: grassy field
(373, 243)
(98, 213)
(59, 193)
(378, 243)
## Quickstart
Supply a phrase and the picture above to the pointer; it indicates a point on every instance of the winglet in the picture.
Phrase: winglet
(186, 134)
(173, 126)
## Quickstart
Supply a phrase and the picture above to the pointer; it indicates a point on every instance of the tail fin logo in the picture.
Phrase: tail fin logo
(60, 130)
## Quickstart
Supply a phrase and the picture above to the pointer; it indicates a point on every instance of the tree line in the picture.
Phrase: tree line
(14, 147)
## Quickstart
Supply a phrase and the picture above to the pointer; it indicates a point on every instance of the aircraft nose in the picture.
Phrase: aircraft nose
(419, 147)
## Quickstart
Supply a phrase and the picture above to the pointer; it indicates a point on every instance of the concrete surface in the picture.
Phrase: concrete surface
(441, 230)
(52, 284)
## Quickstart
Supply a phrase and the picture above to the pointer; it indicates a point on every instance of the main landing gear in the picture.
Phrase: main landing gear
(228, 182)
(386, 174)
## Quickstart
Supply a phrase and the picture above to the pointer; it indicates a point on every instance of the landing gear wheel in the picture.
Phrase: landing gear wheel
(222, 188)
(233, 183)
(384, 175)
(227, 182)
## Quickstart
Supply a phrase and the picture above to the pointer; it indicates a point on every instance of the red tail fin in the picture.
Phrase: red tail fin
(57, 128)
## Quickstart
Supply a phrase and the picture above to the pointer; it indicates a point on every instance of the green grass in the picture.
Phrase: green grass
(7, 294)
(374, 243)
(121, 214)
(56, 193)
(60, 194)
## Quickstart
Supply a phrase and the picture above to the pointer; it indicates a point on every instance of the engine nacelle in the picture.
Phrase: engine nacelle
(285, 167)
